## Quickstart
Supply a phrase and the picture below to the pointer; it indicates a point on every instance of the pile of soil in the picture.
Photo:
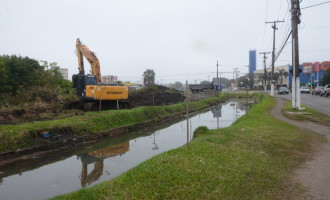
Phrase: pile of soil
(154, 96)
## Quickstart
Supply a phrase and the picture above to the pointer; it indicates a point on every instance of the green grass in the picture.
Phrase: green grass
(14, 137)
(253, 159)
(308, 114)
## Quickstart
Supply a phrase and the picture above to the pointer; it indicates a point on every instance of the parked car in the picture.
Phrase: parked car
(317, 90)
(283, 90)
(304, 89)
(323, 90)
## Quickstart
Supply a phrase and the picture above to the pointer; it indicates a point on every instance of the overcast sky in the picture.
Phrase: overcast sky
(179, 39)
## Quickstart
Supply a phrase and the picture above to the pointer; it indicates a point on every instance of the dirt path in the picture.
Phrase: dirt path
(314, 174)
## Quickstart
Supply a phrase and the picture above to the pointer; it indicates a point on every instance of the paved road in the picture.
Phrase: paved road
(321, 104)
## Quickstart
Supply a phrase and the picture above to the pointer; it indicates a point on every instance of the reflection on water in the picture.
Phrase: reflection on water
(110, 157)
(96, 158)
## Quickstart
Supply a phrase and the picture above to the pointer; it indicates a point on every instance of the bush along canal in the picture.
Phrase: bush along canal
(71, 131)
(79, 168)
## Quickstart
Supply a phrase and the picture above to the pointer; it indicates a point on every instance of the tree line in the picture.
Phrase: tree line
(24, 80)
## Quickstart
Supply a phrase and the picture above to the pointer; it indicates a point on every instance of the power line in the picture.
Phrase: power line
(263, 36)
(279, 11)
(315, 5)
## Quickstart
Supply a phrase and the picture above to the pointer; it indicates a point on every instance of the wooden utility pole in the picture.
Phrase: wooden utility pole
(265, 72)
(273, 57)
(295, 20)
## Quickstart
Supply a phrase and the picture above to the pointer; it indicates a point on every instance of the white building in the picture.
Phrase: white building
(109, 79)
(63, 71)
(282, 80)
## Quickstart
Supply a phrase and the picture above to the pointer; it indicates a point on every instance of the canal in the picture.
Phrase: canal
(111, 157)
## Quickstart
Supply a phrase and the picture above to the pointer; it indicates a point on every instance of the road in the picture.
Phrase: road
(321, 104)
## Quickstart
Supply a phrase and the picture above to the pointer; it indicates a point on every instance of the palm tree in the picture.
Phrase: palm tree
(259, 77)
(149, 77)
(282, 74)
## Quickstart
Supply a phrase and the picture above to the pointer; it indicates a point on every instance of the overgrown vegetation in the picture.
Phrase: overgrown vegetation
(25, 83)
(253, 159)
(14, 137)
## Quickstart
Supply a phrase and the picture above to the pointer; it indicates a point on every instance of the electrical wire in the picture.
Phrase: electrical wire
(315, 5)
(263, 36)
(279, 11)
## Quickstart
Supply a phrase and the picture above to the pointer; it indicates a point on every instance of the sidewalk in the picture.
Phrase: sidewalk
(314, 174)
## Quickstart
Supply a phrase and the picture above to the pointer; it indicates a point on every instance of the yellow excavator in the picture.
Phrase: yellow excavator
(95, 95)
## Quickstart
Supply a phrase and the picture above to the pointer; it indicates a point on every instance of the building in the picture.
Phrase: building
(63, 71)
(133, 86)
(311, 72)
(252, 66)
(109, 79)
(282, 80)
(252, 61)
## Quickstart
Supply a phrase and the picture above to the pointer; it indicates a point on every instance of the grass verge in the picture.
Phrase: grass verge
(252, 159)
(307, 115)
(13, 137)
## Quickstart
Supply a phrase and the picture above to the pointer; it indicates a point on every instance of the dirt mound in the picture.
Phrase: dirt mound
(154, 95)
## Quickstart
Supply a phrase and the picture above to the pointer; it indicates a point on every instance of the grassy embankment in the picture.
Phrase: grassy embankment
(26, 135)
(308, 114)
(252, 159)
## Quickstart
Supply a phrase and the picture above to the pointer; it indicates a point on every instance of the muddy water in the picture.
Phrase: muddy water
(109, 158)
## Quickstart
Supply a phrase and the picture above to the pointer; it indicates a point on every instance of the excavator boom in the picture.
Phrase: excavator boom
(83, 50)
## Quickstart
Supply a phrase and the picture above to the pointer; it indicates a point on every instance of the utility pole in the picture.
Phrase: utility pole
(265, 72)
(217, 74)
(235, 75)
(295, 20)
(273, 57)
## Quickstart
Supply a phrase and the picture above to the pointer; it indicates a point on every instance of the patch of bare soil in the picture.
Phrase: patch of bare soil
(154, 96)
(34, 113)
(314, 175)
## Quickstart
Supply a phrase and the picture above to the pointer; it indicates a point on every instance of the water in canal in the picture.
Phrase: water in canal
(109, 158)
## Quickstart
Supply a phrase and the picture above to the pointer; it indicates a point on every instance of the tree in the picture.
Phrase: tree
(259, 77)
(282, 74)
(243, 81)
(18, 73)
(326, 78)
(177, 85)
(149, 77)
(205, 82)
(24, 80)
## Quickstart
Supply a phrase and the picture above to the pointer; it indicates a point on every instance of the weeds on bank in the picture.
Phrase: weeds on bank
(14, 137)
(252, 159)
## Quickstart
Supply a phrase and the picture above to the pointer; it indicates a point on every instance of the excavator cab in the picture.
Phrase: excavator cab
(80, 81)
